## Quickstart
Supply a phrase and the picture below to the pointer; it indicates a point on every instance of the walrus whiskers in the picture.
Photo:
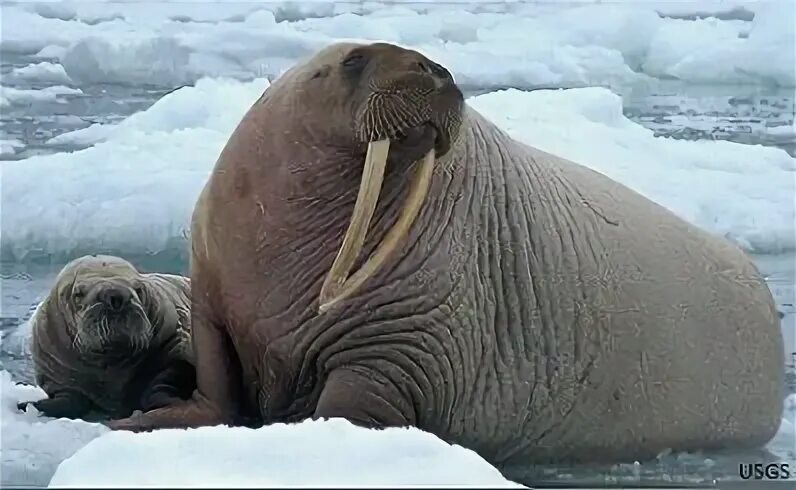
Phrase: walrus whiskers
(338, 285)
(77, 341)
(143, 337)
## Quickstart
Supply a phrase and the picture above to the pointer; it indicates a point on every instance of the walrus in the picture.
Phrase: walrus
(370, 247)
(110, 340)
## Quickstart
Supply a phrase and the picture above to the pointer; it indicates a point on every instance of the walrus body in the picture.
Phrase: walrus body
(535, 311)
(110, 340)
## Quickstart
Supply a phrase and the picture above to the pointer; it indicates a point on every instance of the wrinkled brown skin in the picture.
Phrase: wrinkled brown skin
(109, 375)
(538, 312)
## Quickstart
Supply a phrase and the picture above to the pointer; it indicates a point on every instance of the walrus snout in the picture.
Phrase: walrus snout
(112, 313)
(114, 298)
(402, 91)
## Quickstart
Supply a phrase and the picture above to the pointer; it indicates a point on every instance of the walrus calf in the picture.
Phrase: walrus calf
(110, 339)
(502, 298)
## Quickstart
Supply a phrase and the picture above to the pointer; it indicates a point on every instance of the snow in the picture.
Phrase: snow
(783, 131)
(329, 453)
(9, 146)
(514, 44)
(10, 95)
(43, 72)
(709, 50)
(312, 453)
(33, 447)
(133, 191)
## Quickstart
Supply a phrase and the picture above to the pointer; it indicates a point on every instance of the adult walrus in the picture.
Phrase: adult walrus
(111, 340)
(504, 299)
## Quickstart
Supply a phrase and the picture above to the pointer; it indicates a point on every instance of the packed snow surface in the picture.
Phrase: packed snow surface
(134, 190)
(313, 453)
(33, 446)
(485, 44)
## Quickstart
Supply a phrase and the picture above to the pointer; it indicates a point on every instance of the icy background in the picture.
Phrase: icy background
(112, 114)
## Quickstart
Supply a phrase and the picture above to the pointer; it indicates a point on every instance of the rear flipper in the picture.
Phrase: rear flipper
(66, 404)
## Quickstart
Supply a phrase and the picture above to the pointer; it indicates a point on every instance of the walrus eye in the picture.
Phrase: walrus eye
(139, 291)
(78, 294)
(355, 61)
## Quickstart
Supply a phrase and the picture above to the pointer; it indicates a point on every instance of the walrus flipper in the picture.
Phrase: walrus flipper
(176, 382)
(64, 404)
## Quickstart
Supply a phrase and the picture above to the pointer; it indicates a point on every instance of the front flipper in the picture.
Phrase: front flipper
(170, 386)
(365, 398)
(63, 404)
(183, 414)
(216, 398)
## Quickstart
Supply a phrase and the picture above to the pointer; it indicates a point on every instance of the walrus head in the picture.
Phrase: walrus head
(404, 109)
(404, 98)
(106, 299)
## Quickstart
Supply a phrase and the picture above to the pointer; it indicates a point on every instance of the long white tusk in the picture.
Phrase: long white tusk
(365, 206)
(421, 181)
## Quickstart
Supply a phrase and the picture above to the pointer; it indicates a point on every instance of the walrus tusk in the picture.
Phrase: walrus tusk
(365, 206)
(418, 189)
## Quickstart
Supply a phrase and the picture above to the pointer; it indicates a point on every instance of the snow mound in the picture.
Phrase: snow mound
(43, 72)
(133, 192)
(312, 453)
(709, 50)
(9, 95)
(485, 45)
(145, 61)
(330, 453)
(33, 447)
(212, 104)
(9, 146)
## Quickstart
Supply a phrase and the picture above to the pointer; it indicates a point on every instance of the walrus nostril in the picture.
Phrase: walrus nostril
(114, 299)
(424, 67)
